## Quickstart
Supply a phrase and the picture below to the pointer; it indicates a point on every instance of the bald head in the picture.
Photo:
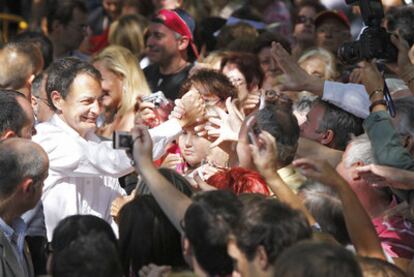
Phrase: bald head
(20, 62)
(20, 159)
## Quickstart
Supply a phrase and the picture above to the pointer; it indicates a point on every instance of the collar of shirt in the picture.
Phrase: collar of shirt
(15, 233)
(57, 121)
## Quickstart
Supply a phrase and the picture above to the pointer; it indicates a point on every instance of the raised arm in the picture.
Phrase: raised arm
(265, 159)
(358, 222)
(172, 201)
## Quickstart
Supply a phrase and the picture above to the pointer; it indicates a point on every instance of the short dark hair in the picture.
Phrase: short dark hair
(315, 4)
(265, 40)
(62, 11)
(63, 72)
(272, 224)
(176, 179)
(283, 126)
(341, 122)
(19, 163)
(380, 268)
(147, 236)
(325, 206)
(75, 226)
(37, 84)
(207, 226)
(91, 254)
(12, 115)
(401, 19)
(315, 259)
(40, 40)
(248, 64)
(213, 81)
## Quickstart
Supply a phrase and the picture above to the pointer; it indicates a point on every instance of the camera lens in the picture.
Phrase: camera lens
(349, 52)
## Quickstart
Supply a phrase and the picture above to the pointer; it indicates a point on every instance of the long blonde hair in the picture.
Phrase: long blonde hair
(128, 31)
(122, 62)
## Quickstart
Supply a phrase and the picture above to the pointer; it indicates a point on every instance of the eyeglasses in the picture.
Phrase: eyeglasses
(304, 19)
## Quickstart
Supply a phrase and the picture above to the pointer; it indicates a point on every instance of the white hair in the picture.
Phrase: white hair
(359, 150)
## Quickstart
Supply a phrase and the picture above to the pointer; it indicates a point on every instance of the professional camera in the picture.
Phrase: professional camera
(374, 41)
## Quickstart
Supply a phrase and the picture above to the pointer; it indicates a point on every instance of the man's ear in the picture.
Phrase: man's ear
(261, 258)
(183, 43)
(354, 174)
(8, 134)
(56, 99)
(327, 137)
(27, 185)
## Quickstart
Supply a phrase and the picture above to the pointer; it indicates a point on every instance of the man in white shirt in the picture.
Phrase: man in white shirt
(83, 169)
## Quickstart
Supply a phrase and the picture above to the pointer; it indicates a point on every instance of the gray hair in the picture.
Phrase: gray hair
(359, 150)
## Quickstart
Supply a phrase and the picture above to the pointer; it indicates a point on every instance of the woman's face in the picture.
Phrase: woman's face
(315, 66)
(304, 28)
(112, 87)
(193, 148)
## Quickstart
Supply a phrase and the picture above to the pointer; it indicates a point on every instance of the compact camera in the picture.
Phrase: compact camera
(157, 98)
(374, 41)
(122, 140)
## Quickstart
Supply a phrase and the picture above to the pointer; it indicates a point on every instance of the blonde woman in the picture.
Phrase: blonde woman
(122, 81)
(128, 31)
(319, 62)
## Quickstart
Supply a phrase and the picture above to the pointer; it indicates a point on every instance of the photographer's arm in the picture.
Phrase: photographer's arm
(350, 97)
(364, 239)
(172, 201)
(386, 142)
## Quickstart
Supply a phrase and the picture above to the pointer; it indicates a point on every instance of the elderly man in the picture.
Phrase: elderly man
(24, 167)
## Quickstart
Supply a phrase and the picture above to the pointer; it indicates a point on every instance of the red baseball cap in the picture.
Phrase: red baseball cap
(180, 22)
(339, 16)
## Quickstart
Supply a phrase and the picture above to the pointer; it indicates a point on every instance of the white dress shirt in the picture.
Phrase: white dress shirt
(82, 173)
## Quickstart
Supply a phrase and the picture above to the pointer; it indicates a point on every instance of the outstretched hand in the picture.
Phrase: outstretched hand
(297, 79)
(190, 109)
(265, 155)
(371, 77)
(318, 170)
(142, 145)
(381, 175)
(228, 124)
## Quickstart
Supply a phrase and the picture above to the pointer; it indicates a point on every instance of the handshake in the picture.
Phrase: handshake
(154, 109)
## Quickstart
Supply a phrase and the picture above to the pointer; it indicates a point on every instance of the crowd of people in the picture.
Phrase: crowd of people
(207, 138)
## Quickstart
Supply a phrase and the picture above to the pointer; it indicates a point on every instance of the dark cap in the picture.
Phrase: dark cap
(339, 16)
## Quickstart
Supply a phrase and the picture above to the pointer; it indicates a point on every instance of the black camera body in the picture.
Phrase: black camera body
(122, 140)
(374, 41)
